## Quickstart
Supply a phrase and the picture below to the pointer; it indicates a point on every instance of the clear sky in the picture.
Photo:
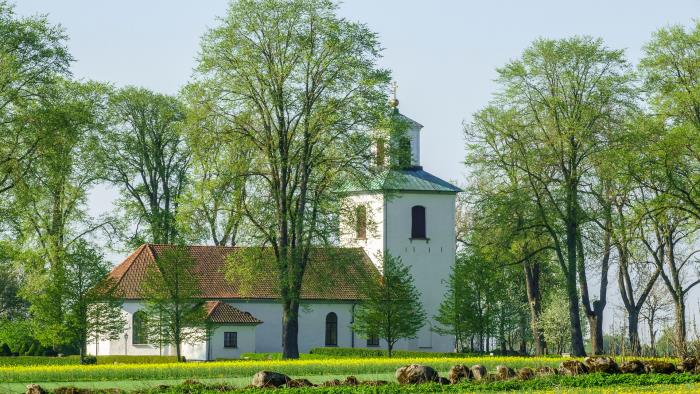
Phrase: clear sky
(443, 54)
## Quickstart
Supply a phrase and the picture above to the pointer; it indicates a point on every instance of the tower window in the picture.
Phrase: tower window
(361, 222)
(332, 329)
(404, 152)
(418, 222)
(138, 326)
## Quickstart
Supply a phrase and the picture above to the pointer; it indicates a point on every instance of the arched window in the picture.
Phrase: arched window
(361, 224)
(418, 222)
(331, 329)
(139, 334)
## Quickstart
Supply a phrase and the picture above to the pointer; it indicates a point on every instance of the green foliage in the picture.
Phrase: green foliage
(339, 352)
(5, 350)
(143, 153)
(173, 306)
(392, 310)
(75, 360)
(33, 56)
(301, 111)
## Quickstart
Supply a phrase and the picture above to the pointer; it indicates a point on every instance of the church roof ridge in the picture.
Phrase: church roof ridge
(322, 279)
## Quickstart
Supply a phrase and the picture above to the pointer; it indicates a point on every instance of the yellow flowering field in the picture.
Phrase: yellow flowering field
(246, 368)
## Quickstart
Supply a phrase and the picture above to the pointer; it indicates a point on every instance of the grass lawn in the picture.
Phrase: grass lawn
(13, 379)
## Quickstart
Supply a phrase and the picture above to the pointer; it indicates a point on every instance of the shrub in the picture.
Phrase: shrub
(372, 353)
(32, 349)
(136, 359)
(75, 360)
(89, 360)
(5, 350)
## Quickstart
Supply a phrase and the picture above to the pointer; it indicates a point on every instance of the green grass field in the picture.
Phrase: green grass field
(147, 377)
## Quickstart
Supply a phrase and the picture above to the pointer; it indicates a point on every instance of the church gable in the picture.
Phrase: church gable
(333, 274)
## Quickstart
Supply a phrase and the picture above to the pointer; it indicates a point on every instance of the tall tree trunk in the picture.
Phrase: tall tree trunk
(532, 286)
(290, 331)
(572, 232)
(633, 332)
(680, 327)
(652, 335)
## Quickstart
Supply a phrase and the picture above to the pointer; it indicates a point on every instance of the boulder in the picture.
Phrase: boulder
(269, 379)
(71, 390)
(300, 383)
(525, 373)
(656, 366)
(601, 364)
(688, 364)
(504, 372)
(35, 389)
(351, 381)
(414, 373)
(546, 371)
(478, 372)
(459, 372)
(374, 382)
(572, 368)
(332, 383)
(632, 366)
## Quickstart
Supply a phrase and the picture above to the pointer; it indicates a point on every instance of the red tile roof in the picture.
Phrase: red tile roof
(221, 312)
(250, 273)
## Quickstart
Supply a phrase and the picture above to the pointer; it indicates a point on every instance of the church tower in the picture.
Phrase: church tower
(410, 214)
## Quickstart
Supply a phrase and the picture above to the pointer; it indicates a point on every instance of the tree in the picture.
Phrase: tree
(655, 311)
(212, 206)
(49, 210)
(143, 153)
(672, 246)
(462, 312)
(173, 305)
(12, 305)
(33, 58)
(559, 106)
(301, 91)
(91, 315)
(392, 310)
(671, 71)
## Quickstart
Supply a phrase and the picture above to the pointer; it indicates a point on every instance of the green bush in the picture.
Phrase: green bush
(136, 359)
(5, 350)
(32, 349)
(89, 360)
(336, 352)
(22, 349)
(74, 360)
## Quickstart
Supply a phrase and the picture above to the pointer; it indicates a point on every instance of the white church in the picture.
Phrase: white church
(410, 213)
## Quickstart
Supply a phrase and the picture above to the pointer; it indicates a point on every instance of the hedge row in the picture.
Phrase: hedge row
(74, 360)
(336, 352)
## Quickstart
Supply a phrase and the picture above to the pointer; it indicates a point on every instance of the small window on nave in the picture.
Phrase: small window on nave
(332, 329)
(138, 325)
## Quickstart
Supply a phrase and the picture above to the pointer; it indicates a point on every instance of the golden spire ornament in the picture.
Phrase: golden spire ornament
(394, 102)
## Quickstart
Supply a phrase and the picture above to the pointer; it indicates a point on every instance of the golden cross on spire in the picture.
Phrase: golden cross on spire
(394, 102)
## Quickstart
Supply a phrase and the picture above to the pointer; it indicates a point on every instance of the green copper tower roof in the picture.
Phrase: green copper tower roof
(409, 179)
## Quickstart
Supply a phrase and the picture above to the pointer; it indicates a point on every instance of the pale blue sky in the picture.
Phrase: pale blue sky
(442, 53)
